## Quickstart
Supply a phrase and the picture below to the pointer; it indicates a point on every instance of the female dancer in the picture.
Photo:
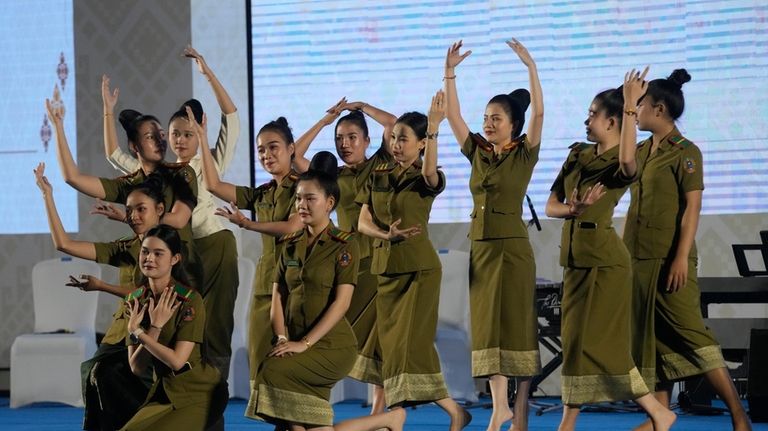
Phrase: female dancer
(215, 244)
(352, 140)
(146, 141)
(409, 269)
(273, 203)
(166, 321)
(314, 281)
(663, 215)
(597, 360)
(502, 283)
(112, 394)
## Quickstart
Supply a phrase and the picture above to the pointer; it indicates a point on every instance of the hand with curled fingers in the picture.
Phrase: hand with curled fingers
(678, 274)
(86, 283)
(634, 87)
(108, 98)
(160, 313)
(109, 211)
(332, 113)
(135, 312)
(201, 129)
(522, 52)
(436, 113)
(454, 57)
(234, 214)
(202, 66)
(41, 180)
(396, 234)
(591, 195)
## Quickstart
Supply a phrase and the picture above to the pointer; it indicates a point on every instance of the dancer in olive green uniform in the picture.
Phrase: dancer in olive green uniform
(597, 360)
(272, 203)
(670, 340)
(402, 193)
(502, 270)
(314, 283)
(215, 244)
(352, 140)
(166, 323)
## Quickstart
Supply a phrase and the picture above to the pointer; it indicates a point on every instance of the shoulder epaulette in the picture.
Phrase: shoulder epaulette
(339, 235)
(183, 293)
(131, 175)
(578, 146)
(135, 294)
(679, 141)
(384, 167)
(290, 236)
(293, 176)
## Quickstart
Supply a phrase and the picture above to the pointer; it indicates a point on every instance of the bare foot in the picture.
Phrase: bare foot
(664, 420)
(395, 419)
(499, 418)
(462, 420)
(645, 426)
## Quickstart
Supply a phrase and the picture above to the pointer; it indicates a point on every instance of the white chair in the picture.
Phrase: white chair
(239, 376)
(45, 366)
(452, 340)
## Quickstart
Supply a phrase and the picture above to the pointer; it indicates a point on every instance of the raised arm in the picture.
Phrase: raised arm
(86, 184)
(435, 116)
(119, 159)
(453, 110)
(300, 162)
(221, 189)
(229, 131)
(634, 88)
(537, 99)
(61, 240)
(384, 118)
(222, 97)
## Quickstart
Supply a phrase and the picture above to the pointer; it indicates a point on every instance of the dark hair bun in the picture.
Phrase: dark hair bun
(356, 114)
(521, 97)
(282, 121)
(325, 163)
(679, 77)
(127, 118)
(197, 109)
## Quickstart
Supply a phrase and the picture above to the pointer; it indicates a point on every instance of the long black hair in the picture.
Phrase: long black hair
(669, 91)
(324, 169)
(514, 104)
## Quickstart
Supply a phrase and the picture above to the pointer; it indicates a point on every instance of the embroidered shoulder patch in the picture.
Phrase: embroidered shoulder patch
(690, 165)
(188, 314)
(345, 259)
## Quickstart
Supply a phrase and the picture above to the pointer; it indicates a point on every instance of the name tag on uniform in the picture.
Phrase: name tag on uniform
(291, 262)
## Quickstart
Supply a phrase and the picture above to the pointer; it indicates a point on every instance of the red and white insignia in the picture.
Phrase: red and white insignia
(690, 165)
(345, 259)
(188, 314)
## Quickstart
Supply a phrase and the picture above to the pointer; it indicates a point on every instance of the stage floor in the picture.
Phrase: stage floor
(51, 416)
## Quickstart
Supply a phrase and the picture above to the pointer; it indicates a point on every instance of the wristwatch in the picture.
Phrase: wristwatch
(134, 336)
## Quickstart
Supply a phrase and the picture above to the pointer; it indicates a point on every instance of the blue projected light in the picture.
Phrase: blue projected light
(307, 55)
(34, 63)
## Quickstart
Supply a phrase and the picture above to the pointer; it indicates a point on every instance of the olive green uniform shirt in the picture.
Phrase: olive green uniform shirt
(394, 193)
(123, 254)
(351, 180)
(498, 184)
(311, 275)
(589, 240)
(187, 323)
(271, 202)
(658, 197)
(179, 184)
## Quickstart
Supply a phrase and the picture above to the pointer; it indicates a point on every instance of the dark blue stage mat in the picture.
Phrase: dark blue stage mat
(50, 416)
